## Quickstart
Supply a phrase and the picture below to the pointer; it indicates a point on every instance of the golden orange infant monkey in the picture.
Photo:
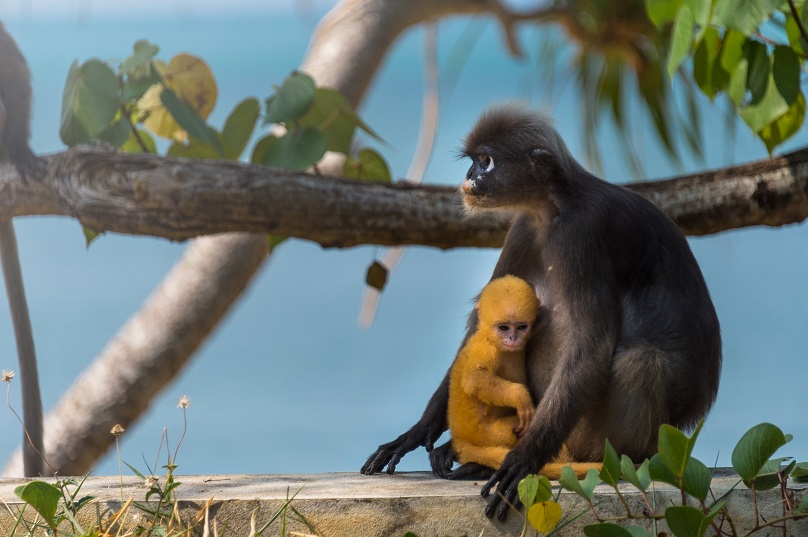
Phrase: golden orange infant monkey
(489, 403)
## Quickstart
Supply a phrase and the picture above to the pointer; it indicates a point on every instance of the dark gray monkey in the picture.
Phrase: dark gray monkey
(628, 338)
(15, 125)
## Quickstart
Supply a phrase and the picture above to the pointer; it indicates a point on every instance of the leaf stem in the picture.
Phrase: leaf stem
(798, 20)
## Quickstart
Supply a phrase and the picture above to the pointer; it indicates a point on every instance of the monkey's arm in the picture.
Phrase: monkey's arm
(424, 433)
(494, 390)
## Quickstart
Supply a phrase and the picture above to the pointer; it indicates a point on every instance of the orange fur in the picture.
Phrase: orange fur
(488, 396)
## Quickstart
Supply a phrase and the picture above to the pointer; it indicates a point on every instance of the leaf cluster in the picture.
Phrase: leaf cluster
(751, 51)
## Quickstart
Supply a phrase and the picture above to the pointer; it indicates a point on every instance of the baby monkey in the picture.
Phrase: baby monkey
(489, 404)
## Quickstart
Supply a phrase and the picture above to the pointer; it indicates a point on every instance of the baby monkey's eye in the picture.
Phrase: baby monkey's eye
(503, 327)
(522, 327)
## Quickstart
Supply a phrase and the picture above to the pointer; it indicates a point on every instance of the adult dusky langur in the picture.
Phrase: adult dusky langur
(627, 338)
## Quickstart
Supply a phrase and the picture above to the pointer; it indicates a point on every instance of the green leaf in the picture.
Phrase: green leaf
(333, 115)
(681, 39)
(795, 38)
(697, 479)
(687, 521)
(707, 72)
(368, 166)
(759, 70)
(786, 73)
(274, 240)
(737, 82)
(701, 10)
(640, 478)
(90, 235)
(755, 448)
(608, 529)
(135, 87)
(90, 102)
(295, 150)
(610, 472)
(662, 12)
(189, 119)
(117, 133)
(239, 126)
(744, 15)
(732, 48)
(769, 476)
(144, 52)
(43, 497)
(292, 99)
(785, 126)
(529, 486)
(584, 488)
(800, 473)
(675, 448)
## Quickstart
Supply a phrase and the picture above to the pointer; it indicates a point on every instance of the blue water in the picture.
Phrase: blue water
(288, 383)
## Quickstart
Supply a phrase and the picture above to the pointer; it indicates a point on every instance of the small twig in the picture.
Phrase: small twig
(135, 133)
(798, 20)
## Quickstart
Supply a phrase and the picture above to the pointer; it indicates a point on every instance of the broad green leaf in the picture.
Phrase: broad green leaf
(786, 73)
(800, 473)
(544, 516)
(610, 472)
(662, 12)
(545, 491)
(640, 478)
(90, 102)
(117, 133)
(239, 126)
(785, 126)
(188, 118)
(768, 477)
(529, 486)
(675, 447)
(43, 497)
(732, 48)
(292, 99)
(608, 529)
(755, 448)
(744, 15)
(332, 114)
(295, 150)
(681, 39)
(701, 10)
(688, 521)
(368, 165)
(135, 88)
(585, 487)
(763, 111)
(90, 235)
(737, 82)
(707, 72)
(697, 479)
(144, 52)
(759, 69)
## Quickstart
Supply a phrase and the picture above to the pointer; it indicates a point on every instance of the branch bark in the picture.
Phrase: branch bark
(180, 199)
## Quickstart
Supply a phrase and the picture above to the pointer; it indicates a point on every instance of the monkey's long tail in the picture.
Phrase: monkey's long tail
(29, 377)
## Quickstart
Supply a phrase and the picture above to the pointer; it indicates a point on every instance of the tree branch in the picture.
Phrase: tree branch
(180, 199)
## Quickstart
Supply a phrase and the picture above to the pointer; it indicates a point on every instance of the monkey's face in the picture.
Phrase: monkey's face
(499, 179)
(512, 335)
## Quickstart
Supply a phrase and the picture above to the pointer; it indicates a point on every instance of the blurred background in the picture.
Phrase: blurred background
(290, 383)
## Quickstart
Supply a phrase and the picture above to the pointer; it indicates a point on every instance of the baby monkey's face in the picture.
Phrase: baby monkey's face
(513, 335)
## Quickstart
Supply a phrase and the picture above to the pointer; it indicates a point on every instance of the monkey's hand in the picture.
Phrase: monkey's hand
(441, 459)
(390, 454)
(514, 468)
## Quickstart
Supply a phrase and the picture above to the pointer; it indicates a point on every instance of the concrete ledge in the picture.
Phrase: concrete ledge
(354, 505)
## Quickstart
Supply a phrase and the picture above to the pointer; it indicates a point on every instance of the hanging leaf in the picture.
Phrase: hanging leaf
(744, 15)
(90, 102)
(90, 235)
(332, 114)
(144, 52)
(295, 150)
(291, 100)
(662, 12)
(681, 39)
(239, 126)
(377, 278)
(785, 126)
(189, 120)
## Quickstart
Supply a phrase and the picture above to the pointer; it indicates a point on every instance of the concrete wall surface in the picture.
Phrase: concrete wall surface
(384, 505)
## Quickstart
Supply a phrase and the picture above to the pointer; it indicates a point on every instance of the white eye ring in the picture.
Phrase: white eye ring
(490, 164)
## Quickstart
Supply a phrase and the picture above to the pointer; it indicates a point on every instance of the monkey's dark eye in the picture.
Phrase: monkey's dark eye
(486, 163)
(503, 328)
(522, 327)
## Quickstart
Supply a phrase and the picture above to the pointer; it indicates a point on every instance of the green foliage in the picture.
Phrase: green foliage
(585, 487)
(43, 497)
(759, 71)
(752, 453)
(688, 521)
